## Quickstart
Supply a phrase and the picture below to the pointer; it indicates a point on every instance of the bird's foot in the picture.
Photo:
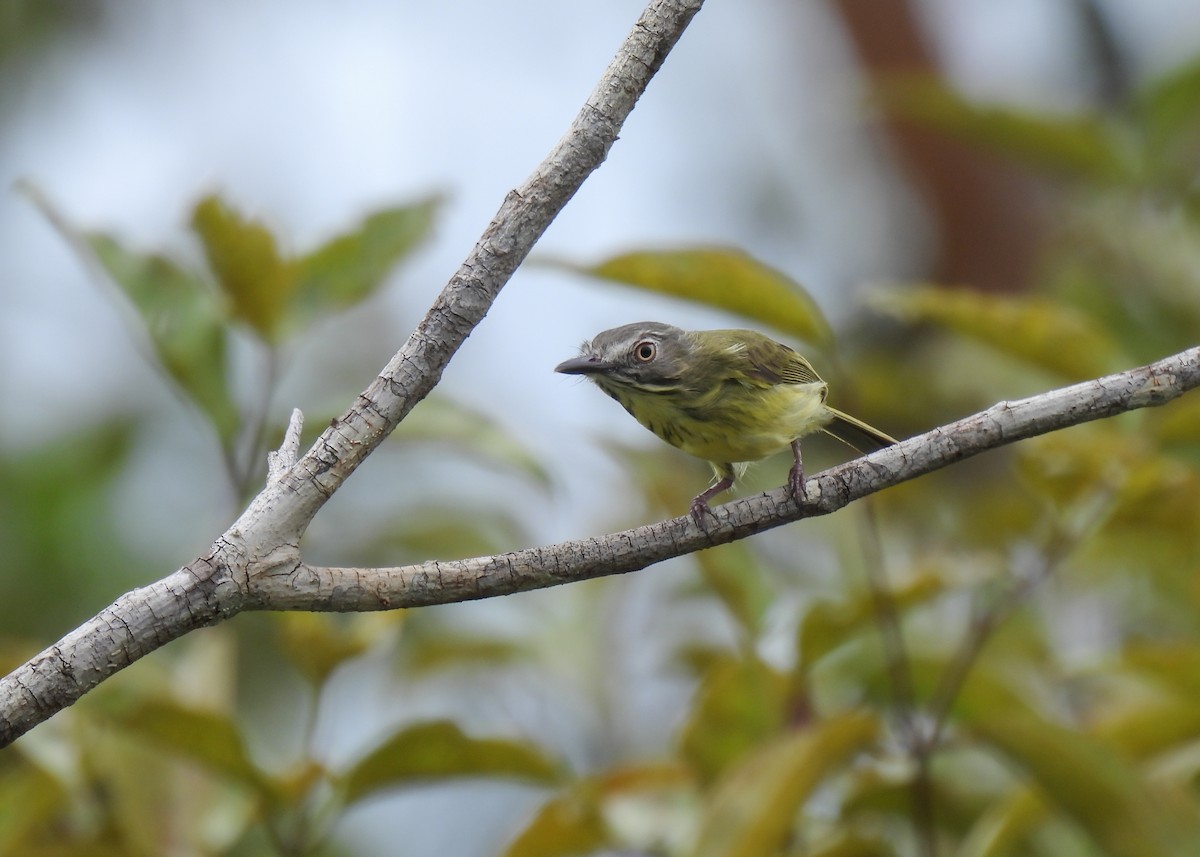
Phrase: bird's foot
(699, 508)
(796, 484)
(701, 513)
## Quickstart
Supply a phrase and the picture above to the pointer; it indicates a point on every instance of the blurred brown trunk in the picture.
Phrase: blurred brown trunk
(987, 212)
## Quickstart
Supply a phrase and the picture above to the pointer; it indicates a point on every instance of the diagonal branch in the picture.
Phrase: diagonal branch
(256, 563)
(524, 215)
(304, 587)
(198, 595)
(268, 533)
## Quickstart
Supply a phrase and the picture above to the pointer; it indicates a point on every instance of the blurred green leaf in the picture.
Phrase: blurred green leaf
(183, 322)
(138, 782)
(252, 273)
(1079, 774)
(440, 419)
(852, 844)
(1174, 664)
(1003, 827)
(442, 531)
(179, 314)
(649, 807)
(1176, 424)
(829, 625)
(739, 704)
(1160, 495)
(209, 738)
(1129, 259)
(30, 803)
(431, 652)
(1042, 331)
(698, 659)
(439, 750)
(1152, 495)
(754, 806)
(352, 266)
(665, 479)
(1150, 726)
(318, 643)
(1081, 147)
(1067, 468)
(1168, 116)
(57, 514)
(733, 573)
(31, 29)
(719, 277)
(641, 808)
(565, 826)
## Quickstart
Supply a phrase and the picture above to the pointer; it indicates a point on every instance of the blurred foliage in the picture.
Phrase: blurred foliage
(55, 520)
(1027, 682)
(186, 320)
(721, 277)
(28, 26)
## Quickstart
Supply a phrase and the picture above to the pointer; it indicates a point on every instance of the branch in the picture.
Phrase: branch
(268, 533)
(202, 593)
(256, 564)
(524, 215)
(306, 587)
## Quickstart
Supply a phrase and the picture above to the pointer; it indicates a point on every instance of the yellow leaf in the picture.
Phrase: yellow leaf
(30, 802)
(1081, 146)
(249, 268)
(209, 738)
(1078, 774)
(720, 277)
(754, 806)
(565, 826)
(318, 643)
(828, 625)
(1004, 826)
(1042, 331)
(738, 705)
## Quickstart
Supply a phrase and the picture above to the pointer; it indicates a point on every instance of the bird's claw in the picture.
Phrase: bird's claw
(700, 513)
(796, 485)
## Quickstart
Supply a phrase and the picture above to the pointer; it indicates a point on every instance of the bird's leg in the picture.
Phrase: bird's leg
(796, 474)
(699, 506)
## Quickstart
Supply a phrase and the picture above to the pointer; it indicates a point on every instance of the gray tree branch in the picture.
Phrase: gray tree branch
(200, 595)
(267, 535)
(256, 564)
(306, 587)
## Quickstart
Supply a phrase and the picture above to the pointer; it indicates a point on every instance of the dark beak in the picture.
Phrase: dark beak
(585, 364)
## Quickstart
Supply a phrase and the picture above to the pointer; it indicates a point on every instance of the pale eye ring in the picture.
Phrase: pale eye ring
(645, 351)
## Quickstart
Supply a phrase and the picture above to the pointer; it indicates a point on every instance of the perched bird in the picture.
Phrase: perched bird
(728, 396)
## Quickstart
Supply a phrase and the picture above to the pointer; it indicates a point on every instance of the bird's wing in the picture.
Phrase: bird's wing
(770, 362)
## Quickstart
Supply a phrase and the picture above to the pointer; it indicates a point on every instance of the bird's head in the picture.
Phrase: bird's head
(646, 355)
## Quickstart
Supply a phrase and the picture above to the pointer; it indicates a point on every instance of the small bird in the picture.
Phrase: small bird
(729, 397)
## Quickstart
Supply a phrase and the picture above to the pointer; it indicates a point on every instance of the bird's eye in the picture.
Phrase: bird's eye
(645, 351)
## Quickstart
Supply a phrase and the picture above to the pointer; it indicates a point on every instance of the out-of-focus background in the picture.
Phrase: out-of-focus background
(985, 200)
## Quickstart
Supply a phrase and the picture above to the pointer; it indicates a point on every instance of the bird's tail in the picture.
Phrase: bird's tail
(855, 433)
